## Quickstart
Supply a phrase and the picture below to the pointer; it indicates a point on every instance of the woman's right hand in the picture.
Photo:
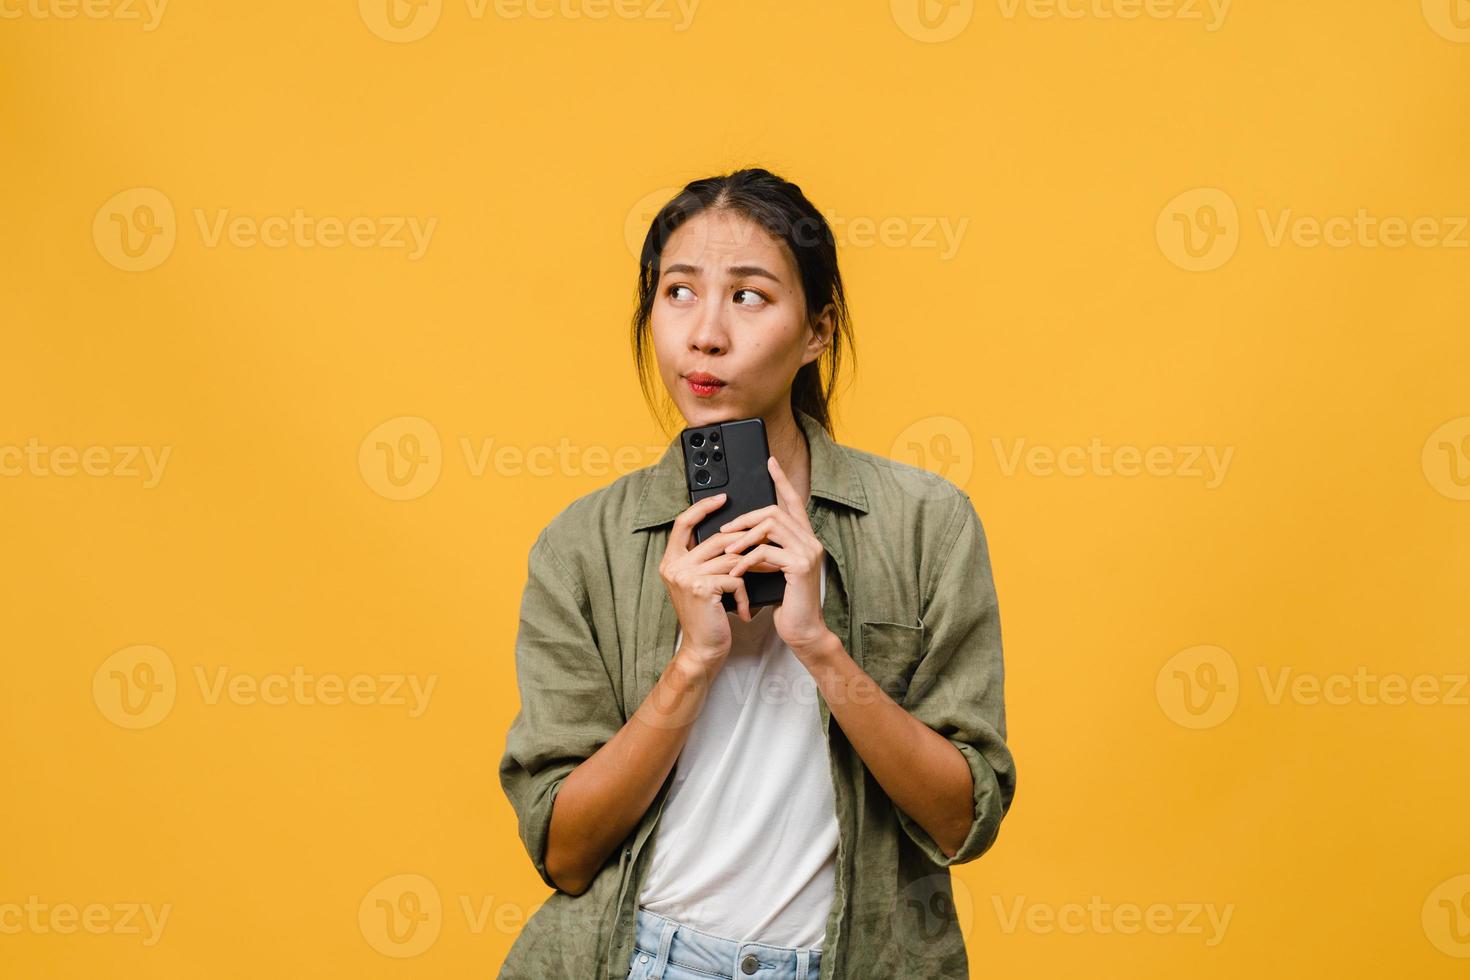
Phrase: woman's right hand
(697, 579)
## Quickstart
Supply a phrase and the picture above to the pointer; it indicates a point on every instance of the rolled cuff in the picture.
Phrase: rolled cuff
(990, 806)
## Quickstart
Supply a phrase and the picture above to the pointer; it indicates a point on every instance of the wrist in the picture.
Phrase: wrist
(695, 667)
(822, 649)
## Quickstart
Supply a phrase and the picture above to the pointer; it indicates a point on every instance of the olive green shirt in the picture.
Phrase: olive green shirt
(914, 605)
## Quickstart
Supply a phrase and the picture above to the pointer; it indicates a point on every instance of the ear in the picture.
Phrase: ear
(821, 329)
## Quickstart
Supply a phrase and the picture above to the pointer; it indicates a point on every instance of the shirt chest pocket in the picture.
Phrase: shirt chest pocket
(891, 653)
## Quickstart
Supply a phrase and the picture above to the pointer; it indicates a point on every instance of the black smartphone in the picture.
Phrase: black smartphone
(730, 458)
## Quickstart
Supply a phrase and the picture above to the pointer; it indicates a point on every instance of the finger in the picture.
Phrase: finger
(777, 557)
(750, 517)
(742, 600)
(729, 583)
(761, 566)
(718, 565)
(709, 547)
(720, 576)
(683, 529)
(776, 529)
(790, 500)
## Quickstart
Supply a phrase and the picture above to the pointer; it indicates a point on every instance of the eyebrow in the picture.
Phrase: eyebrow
(734, 270)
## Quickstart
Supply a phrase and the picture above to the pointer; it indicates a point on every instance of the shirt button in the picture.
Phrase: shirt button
(642, 959)
(750, 964)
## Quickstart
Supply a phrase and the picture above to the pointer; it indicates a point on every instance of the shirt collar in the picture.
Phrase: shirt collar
(833, 477)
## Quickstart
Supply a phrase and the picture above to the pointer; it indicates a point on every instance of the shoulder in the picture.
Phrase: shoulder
(593, 529)
(917, 499)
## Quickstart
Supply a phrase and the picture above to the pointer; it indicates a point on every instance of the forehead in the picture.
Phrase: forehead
(714, 240)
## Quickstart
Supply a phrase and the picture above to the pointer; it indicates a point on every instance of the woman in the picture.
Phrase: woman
(674, 767)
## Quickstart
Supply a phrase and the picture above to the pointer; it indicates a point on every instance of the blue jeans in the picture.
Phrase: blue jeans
(669, 950)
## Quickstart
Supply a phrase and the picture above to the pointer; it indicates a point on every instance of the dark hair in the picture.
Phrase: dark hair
(778, 206)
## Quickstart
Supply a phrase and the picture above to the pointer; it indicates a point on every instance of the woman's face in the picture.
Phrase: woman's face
(730, 304)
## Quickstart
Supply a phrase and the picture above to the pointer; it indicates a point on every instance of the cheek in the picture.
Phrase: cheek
(777, 344)
(664, 350)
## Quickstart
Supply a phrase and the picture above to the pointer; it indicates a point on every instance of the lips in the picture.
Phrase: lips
(704, 385)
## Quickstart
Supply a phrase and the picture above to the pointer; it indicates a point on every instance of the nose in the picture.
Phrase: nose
(710, 334)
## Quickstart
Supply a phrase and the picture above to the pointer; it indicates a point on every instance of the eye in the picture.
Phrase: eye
(678, 285)
(760, 297)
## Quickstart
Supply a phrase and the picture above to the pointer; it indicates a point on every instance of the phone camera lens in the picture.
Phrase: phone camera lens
(696, 440)
(700, 459)
(717, 456)
(714, 436)
(701, 477)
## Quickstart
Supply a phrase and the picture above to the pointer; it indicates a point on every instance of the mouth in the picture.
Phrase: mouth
(703, 385)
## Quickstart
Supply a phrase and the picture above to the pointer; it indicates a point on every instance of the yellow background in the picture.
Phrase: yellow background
(1335, 376)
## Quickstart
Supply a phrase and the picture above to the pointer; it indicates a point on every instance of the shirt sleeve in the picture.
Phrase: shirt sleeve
(958, 686)
(569, 707)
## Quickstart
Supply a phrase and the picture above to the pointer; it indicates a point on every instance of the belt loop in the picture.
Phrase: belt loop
(802, 958)
(664, 941)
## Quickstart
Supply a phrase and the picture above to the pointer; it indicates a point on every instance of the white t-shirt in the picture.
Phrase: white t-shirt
(746, 847)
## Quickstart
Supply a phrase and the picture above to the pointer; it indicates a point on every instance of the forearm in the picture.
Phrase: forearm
(602, 800)
(921, 771)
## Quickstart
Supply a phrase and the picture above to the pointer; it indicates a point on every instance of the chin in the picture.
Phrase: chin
(704, 413)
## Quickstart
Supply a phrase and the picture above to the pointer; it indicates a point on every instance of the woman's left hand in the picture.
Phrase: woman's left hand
(794, 550)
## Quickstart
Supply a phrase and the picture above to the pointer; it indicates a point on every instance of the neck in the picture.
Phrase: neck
(788, 444)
